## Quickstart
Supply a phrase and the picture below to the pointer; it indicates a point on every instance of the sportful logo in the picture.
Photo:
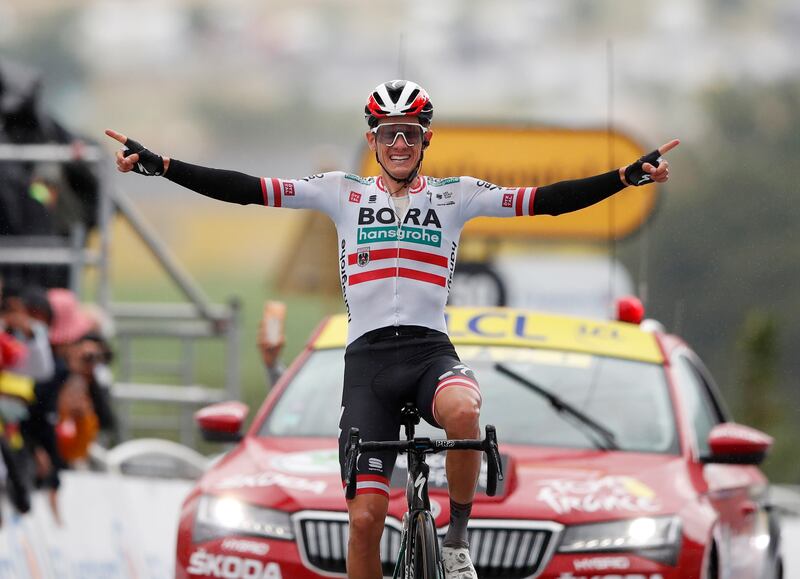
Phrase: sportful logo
(407, 234)
(355, 197)
(375, 464)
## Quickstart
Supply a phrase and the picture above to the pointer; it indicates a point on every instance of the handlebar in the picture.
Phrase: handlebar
(488, 445)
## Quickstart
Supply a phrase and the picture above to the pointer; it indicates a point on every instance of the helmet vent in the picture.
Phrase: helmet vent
(395, 91)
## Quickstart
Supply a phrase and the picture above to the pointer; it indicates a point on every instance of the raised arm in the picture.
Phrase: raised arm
(320, 192)
(568, 196)
(222, 184)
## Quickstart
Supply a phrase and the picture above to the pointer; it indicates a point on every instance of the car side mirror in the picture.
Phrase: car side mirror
(222, 422)
(732, 443)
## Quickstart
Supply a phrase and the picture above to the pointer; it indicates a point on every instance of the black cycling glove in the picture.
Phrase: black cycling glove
(635, 175)
(149, 164)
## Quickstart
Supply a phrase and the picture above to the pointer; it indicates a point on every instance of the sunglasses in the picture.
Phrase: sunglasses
(387, 133)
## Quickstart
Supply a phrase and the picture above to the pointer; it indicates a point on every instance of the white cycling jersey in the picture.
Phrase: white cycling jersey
(391, 273)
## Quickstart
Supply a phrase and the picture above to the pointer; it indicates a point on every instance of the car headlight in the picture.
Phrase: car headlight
(653, 537)
(221, 516)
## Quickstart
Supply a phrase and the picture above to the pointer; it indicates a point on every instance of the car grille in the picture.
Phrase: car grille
(506, 549)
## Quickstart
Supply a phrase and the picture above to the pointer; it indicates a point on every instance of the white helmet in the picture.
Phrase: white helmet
(398, 98)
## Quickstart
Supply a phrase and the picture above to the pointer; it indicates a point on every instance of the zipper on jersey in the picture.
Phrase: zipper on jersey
(396, 296)
(400, 224)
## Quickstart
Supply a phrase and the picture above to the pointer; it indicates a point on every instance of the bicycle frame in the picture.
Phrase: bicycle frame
(418, 501)
(417, 481)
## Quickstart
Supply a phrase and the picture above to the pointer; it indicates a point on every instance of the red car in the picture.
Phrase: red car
(650, 479)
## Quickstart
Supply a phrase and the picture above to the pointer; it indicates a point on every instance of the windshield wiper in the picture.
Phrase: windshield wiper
(563, 407)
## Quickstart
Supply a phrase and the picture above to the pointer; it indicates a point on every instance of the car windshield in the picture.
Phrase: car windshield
(629, 398)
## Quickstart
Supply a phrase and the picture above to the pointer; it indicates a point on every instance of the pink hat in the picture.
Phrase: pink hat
(70, 322)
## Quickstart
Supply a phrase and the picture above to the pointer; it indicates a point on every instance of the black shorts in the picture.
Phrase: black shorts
(383, 370)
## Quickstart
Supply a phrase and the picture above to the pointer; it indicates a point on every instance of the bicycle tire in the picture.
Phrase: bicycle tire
(423, 548)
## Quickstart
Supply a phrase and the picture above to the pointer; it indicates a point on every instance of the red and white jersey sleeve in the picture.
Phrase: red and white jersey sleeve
(321, 192)
(484, 199)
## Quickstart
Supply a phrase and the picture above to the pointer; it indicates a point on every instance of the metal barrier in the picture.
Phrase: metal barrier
(187, 322)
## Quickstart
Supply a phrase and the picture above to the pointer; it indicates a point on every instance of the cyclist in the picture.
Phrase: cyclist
(398, 237)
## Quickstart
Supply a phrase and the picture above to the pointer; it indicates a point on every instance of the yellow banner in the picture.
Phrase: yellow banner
(527, 329)
(529, 156)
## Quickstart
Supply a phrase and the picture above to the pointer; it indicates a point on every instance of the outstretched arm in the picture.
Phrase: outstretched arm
(230, 186)
(567, 196)
(486, 199)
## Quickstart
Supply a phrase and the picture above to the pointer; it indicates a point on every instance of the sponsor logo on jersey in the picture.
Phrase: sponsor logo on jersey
(355, 197)
(288, 189)
(441, 182)
(343, 278)
(453, 252)
(362, 180)
(508, 199)
(367, 216)
(375, 464)
(209, 565)
(372, 199)
(445, 198)
(407, 234)
(363, 256)
(489, 186)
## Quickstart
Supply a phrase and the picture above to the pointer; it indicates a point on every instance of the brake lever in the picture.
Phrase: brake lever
(493, 463)
(350, 460)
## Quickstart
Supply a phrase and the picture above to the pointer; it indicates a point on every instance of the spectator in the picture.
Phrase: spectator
(15, 392)
(38, 363)
(41, 199)
(84, 403)
(72, 407)
(12, 352)
(39, 306)
(271, 339)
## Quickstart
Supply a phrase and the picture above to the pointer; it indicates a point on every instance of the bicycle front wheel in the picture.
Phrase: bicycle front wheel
(423, 548)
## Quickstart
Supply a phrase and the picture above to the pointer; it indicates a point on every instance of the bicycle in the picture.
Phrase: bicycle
(419, 557)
